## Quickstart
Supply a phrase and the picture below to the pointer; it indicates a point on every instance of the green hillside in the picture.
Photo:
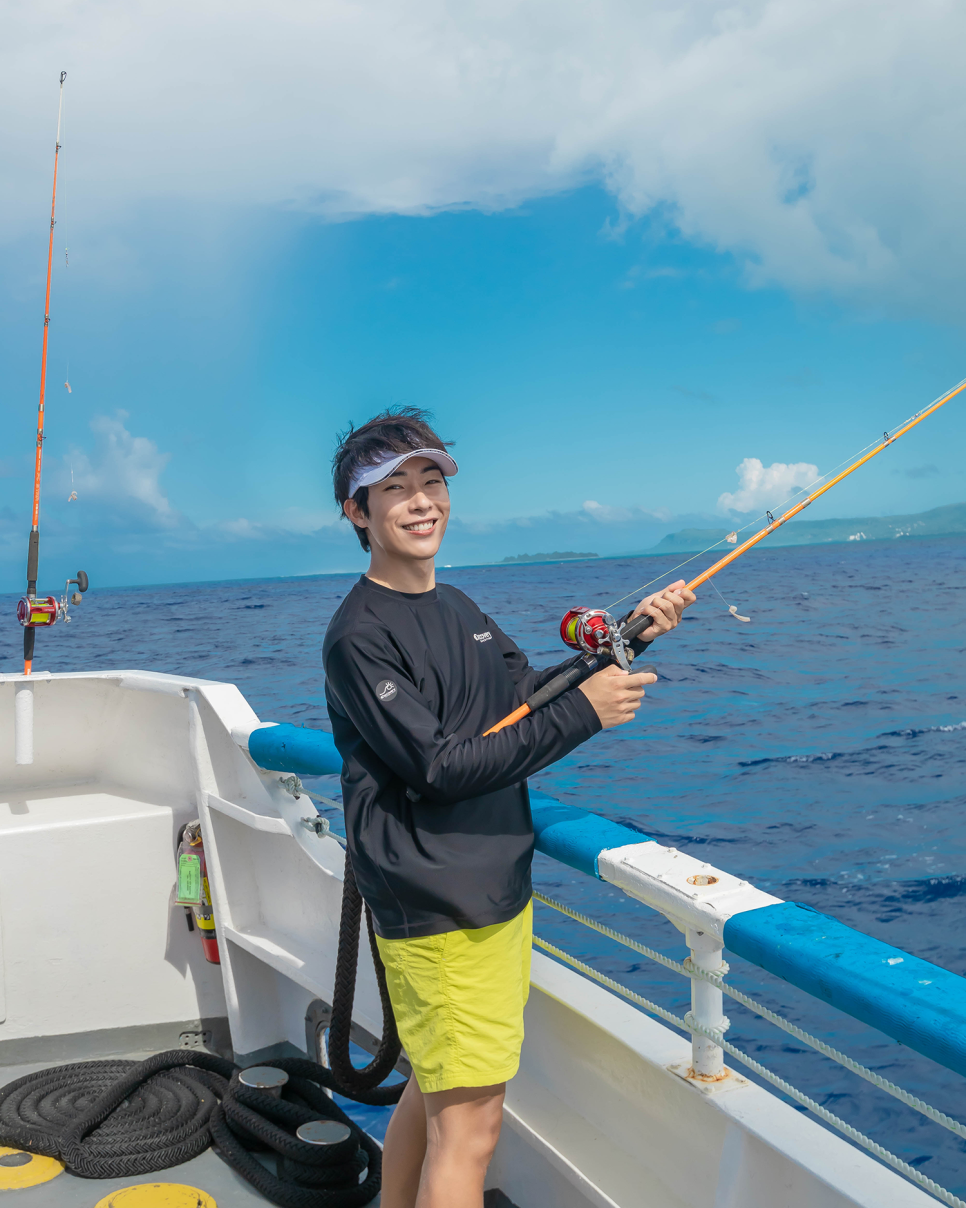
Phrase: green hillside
(939, 522)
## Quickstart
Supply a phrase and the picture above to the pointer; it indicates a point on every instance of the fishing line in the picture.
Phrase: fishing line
(732, 608)
(885, 439)
(602, 639)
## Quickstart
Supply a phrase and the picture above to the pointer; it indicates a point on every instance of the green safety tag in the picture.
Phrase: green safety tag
(189, 879)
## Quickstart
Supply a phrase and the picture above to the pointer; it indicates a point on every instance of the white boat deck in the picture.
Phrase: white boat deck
(95, 947)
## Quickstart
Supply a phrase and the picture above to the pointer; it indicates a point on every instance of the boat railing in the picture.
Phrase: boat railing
(913, 1001)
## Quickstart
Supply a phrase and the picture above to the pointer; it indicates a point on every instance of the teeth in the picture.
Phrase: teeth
(423, 526)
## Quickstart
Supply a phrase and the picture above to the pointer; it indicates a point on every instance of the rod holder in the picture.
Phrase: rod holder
(23, 722)
(707, 1058)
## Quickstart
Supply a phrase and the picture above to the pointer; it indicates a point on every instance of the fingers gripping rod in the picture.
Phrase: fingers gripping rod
(588, 664)
(585, 666)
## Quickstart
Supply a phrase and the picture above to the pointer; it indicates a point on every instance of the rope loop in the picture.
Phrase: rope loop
(360, 1084)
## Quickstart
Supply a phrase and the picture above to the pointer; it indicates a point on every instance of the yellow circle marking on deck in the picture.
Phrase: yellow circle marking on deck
(157, 1195)
(37, 1169)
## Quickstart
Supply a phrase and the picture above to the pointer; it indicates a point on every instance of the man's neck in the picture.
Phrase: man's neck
(412, 576)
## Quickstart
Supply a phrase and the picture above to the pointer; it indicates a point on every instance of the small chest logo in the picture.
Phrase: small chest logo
(386, 691)
(483, 637)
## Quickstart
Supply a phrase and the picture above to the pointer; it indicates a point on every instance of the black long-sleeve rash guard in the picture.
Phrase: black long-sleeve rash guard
(438, 817)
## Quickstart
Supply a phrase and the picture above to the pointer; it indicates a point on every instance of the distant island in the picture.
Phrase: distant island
(556, 556)
(939, 522)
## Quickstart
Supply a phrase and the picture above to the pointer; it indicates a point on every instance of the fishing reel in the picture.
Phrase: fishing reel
(594, 631)
(38, 612)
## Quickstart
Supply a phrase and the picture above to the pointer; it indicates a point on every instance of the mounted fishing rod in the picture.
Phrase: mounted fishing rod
(603, 640)
(35, 612)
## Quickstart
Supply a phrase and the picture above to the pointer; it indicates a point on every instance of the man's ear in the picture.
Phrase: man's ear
(354, 513)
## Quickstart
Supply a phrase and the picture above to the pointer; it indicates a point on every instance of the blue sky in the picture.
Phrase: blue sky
(604, 354)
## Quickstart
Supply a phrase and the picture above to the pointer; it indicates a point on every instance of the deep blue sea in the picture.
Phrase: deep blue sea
(819, 752)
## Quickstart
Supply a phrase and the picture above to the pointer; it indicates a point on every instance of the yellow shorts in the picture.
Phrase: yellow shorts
(458, 999)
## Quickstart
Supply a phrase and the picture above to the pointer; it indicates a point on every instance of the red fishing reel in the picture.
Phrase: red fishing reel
(36, 612)
(594, 631)
(33, 612)
(587, 629)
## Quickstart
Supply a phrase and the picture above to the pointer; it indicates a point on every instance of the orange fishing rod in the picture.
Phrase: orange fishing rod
(34, 613)
(595, 632)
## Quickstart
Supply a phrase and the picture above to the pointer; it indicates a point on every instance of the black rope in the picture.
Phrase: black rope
(121, 1119)
(362, 1085)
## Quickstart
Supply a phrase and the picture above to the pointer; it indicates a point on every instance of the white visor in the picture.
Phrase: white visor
(368, 476)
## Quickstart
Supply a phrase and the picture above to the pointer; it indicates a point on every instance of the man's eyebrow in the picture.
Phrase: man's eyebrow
(401, 473)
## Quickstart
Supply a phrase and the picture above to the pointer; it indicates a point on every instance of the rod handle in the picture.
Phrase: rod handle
(550, 691)
(635, 627)
(562, 683)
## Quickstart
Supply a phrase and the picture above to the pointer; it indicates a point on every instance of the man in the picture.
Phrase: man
(437, 816)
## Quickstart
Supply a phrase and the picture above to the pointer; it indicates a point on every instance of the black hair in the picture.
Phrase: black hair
(395, 430)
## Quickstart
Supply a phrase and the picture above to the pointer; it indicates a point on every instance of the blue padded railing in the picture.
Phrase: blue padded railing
(287, 748)
(913, 1001)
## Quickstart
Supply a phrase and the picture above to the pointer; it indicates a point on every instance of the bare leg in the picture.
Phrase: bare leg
(405, 1149)
(462, 1129)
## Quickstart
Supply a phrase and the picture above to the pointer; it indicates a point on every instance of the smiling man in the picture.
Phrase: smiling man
(438, 817)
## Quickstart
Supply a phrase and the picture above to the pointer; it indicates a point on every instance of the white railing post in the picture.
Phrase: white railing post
(707, 1058)
(698, 899)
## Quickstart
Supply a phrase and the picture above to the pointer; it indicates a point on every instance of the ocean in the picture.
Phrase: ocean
(819, 752)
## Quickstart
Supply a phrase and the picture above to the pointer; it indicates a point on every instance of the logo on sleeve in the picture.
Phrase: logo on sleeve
(386, 691)
(483, 637)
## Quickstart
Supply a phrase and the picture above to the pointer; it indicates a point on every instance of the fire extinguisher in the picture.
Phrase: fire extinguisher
(194, 893)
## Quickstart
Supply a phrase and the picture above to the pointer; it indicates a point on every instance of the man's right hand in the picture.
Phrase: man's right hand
(615, 695)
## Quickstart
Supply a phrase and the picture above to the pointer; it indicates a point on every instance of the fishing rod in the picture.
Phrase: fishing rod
(603, 640)
(35, 612)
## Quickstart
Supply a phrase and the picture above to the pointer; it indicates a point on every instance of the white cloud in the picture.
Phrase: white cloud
(604, 512)
(123, 471)
(766, 486)
(813, 138)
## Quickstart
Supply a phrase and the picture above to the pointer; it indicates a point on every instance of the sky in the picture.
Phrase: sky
(650, 265)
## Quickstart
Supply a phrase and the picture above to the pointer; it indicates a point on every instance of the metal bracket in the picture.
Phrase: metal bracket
(318, 1017)
(728, 1080)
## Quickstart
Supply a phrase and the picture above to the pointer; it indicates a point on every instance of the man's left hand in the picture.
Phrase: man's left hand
(665, 609)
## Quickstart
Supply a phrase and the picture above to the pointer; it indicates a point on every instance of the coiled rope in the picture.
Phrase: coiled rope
(118, 1119)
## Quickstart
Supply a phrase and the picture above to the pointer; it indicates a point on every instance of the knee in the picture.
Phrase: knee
(485, 1133)
(468, 1131)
